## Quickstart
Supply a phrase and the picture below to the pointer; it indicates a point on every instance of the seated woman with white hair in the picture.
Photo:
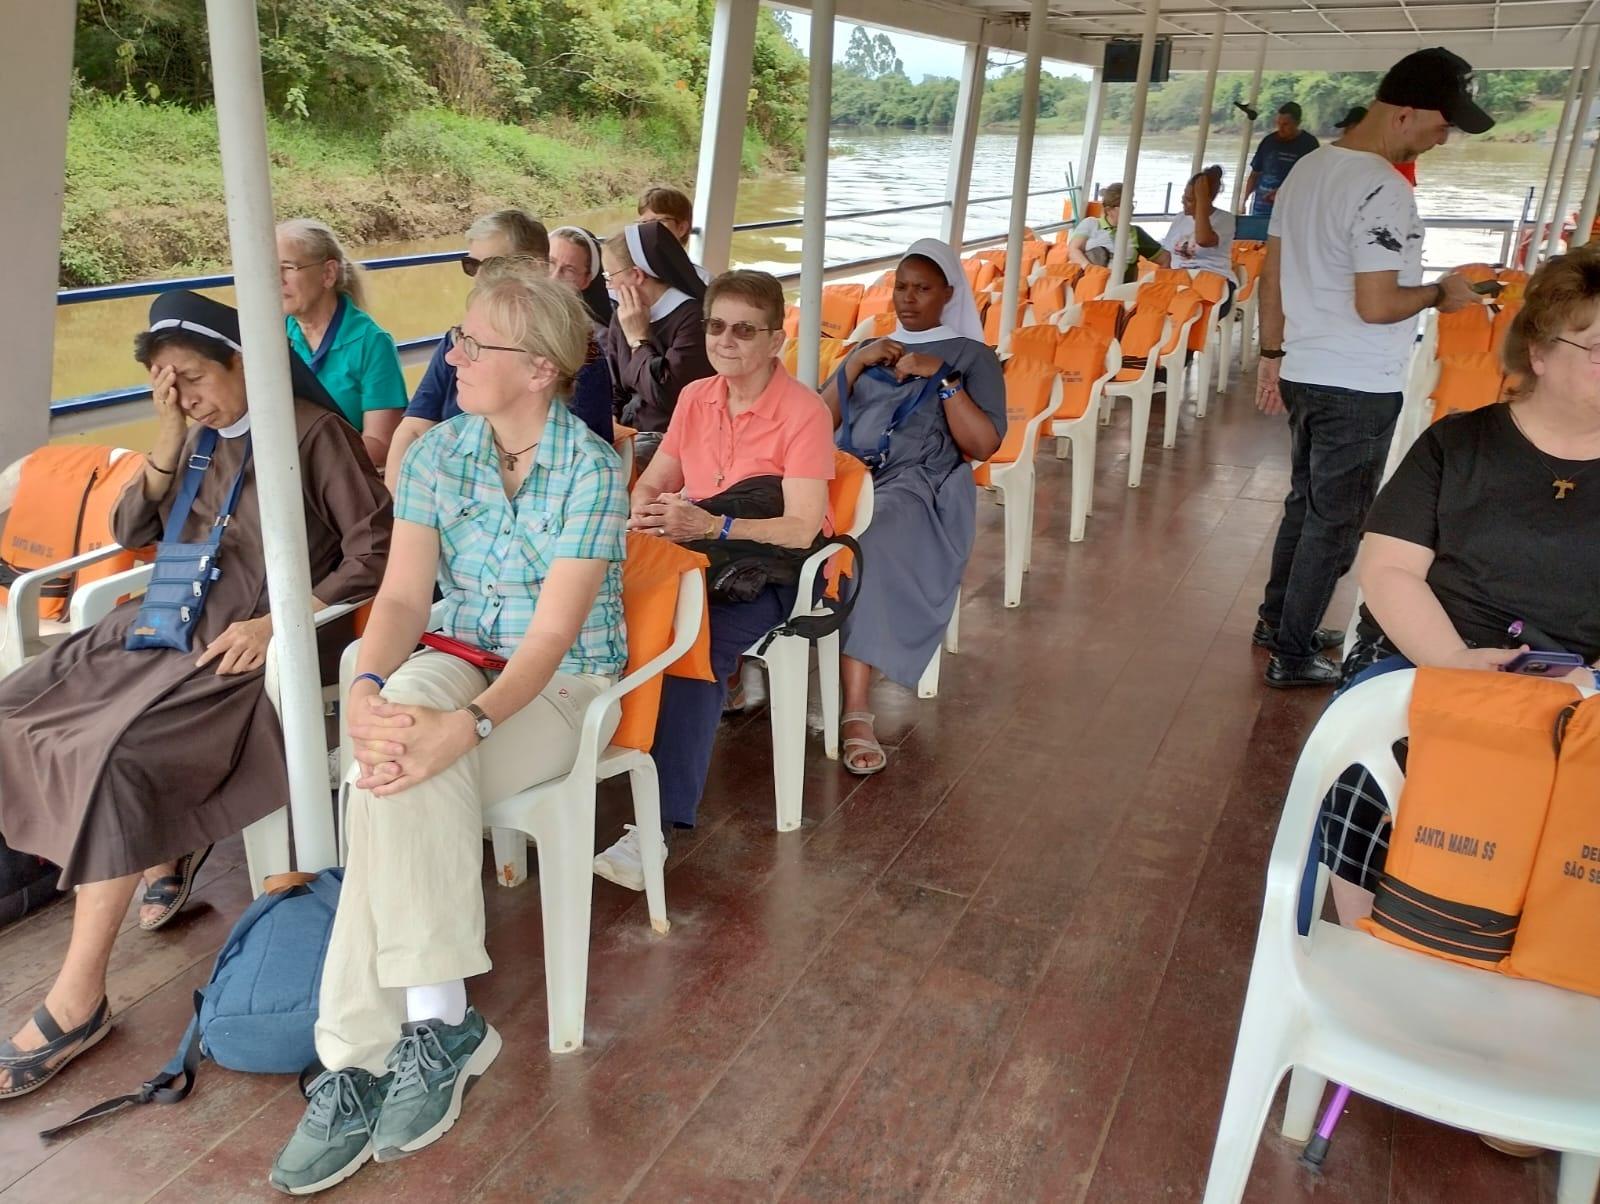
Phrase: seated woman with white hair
(916, 407)
(353, 357)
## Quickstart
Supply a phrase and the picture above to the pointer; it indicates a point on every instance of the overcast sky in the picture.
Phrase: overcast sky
(921, 56)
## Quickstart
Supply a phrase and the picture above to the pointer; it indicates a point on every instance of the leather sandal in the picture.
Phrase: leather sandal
(31, 1069)
(860, 744)
(173, 891)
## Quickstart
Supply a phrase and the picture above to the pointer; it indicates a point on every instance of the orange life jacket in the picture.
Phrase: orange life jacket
(1559, 939)
(1478, 779)
(63, 507)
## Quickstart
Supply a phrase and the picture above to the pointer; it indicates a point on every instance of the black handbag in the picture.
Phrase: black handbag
(183, 574)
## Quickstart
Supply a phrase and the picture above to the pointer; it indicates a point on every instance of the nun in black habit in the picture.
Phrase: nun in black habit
(656, 342)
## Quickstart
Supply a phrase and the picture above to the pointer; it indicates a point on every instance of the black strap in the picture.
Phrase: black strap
(159, 1090)
(813, 627)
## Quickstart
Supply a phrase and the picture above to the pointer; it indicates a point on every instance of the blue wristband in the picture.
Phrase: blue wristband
(372, 677)
(727, 525)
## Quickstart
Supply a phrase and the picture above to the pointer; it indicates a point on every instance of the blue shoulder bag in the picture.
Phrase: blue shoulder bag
(876, 458)
(183, 574)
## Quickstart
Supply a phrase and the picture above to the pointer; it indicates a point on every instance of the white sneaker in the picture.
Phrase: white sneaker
(623, 862)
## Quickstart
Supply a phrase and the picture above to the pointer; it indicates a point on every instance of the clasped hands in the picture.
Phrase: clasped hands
(893, 355)
(674, 517)
(399, 746)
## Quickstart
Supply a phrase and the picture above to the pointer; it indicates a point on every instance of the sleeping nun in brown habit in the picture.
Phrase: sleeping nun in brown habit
(112, 761)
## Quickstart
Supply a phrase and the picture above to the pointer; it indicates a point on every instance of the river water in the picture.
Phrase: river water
(866, 171)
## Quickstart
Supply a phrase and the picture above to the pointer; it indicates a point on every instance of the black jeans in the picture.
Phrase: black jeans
(1339, 440)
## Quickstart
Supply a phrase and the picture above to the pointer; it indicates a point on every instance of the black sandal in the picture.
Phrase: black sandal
(31, 1069)
(173, 891)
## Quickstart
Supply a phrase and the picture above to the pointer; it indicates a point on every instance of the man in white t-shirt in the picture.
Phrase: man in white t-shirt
(1340, 295)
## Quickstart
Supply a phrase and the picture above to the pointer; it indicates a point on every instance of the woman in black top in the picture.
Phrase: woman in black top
(1486, 540)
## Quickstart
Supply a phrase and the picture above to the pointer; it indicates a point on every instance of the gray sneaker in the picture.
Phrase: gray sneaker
(334, 1137)
(432, 1067)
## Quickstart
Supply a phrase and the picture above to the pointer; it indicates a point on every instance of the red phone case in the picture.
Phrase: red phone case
(468, 652)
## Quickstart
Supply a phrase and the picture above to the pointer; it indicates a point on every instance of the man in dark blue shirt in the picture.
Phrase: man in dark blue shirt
(1279, 151)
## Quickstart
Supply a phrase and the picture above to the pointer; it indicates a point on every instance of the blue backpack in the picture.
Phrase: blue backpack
(259, 1009)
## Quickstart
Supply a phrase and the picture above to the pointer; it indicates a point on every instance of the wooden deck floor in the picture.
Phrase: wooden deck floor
(1008, 969)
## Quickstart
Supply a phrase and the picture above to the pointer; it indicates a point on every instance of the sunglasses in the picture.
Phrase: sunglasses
(471, 265)
(743, 331)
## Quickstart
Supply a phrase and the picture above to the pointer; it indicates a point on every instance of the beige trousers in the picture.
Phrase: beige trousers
(411, 909)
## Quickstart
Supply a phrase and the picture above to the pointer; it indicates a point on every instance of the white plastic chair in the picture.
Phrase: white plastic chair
(788, 661)
(1081, 435)
(928, 684)
(1015, 484)
(267, 847)
(1139, 393)
(1463, 1046)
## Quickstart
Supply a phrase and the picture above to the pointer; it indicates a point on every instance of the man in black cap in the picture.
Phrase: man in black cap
(1407, 168)
(1340, 294)
(1279, 151)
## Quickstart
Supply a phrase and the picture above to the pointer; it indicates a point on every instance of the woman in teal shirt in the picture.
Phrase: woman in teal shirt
(353, 357)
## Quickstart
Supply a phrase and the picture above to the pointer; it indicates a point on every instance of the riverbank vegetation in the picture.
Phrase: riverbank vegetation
(1527, 103)
(396, 118)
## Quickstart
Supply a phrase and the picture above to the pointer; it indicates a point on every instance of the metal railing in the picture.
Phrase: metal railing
(413, 350)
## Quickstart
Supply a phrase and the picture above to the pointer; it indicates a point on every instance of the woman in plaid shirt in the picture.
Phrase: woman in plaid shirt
(518, 512)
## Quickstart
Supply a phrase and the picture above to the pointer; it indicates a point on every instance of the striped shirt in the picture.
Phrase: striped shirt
(495, 552)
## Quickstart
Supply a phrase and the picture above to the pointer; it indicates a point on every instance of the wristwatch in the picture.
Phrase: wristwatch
(1272, 355)
(482, 724)
(949, 386)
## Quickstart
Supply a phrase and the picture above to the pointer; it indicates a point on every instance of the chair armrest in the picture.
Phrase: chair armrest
(685, 630)
(93, 602)
(809, 569)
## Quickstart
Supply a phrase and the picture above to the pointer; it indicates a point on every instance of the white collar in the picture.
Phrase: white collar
(242, 427)
(933, 334)
(667, 302)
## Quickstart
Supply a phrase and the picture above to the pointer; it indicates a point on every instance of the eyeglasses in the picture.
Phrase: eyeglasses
(472, 349)
(1593, 352)
(285, 268)
(743, 331)
(471, 265)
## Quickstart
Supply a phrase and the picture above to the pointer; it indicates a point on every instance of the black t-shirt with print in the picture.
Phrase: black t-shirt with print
(1475, 490)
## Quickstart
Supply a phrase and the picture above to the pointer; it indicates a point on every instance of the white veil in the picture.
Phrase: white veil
(960, 317)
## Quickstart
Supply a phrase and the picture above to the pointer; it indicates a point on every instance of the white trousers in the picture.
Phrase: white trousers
(411, 909)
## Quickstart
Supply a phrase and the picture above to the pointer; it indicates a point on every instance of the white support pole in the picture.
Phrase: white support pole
(1023, 171)
(1091, 139)
(247, 187)
(1249, 126)
(964, 138)
(1591, 197)
(1580, 122)
(1209, 96)
(814, 233)
(733, 43)
(35, 88)
(1130, 164)
(1569, 104)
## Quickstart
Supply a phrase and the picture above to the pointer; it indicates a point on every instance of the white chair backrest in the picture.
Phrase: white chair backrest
(1126, 293)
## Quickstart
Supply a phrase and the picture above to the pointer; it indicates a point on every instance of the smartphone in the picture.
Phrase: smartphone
(1488, 288)
(1544, 664)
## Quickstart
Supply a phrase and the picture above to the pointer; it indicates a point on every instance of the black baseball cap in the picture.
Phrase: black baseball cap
(1354, 117)
(1291, 109)
(1438, 80)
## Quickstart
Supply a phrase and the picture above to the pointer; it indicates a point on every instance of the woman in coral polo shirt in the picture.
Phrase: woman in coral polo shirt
(750, 421)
